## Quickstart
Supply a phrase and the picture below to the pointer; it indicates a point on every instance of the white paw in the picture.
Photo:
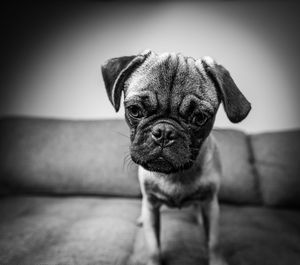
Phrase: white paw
(139, 221)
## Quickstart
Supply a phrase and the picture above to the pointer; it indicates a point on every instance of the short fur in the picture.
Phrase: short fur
(170, 106)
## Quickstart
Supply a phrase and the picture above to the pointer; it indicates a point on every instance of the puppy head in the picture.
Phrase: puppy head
(170, 105)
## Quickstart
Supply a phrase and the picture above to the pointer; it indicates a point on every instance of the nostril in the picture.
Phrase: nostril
(157, 133)
(171, 135)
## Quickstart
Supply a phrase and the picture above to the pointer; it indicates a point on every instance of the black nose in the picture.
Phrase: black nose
(164, 134)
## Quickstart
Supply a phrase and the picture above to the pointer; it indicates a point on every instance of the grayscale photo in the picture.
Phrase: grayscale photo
(150, 133)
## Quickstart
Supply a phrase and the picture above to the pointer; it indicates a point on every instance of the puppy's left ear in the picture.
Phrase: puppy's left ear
(235, 104)
(115, 71)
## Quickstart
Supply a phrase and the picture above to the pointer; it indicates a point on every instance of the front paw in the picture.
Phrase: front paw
(139, 221)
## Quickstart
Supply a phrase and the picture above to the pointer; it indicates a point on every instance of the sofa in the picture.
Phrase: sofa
(70, 195)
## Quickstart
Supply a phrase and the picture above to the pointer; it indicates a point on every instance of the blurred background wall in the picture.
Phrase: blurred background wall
(51, 54)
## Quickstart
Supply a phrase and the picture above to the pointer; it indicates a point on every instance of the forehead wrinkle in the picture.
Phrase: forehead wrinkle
(200, 103)
(146, 97)
(184, 71)
(200, 69)
(156, 74)
(168, 69)
(163, 76)
(207, 86)
(174, 71)
(166, 72)
(187, 79)
(146, 74)
(192, 78)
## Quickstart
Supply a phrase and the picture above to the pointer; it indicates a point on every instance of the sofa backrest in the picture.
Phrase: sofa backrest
(92, 158)
(66, 157)
(277, 162)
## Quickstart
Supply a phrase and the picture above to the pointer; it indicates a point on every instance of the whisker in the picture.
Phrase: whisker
(126, 158)
(124, 135)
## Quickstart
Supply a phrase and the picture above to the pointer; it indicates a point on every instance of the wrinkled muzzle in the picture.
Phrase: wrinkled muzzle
(163, 147)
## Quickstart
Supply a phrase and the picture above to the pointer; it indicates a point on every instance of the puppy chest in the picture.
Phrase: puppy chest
(176, 195)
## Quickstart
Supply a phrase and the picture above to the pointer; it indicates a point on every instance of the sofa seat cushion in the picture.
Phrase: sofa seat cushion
(98, 230)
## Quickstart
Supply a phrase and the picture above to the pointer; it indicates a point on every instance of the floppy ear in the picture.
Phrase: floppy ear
(115, 71)
(235, 104)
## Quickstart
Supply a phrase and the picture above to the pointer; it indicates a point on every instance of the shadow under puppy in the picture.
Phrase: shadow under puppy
(170, 106)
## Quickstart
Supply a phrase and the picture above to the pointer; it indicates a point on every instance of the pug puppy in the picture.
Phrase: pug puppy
(171, 103)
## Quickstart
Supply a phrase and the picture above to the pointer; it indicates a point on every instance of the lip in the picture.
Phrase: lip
(159, 164)
(162, 164)
(160, 161)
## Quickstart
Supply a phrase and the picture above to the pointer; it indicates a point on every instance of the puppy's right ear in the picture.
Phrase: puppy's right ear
(115, 72)
(235, 103)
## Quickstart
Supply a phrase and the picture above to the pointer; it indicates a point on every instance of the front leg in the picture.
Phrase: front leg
(150, 218)
(209, 212)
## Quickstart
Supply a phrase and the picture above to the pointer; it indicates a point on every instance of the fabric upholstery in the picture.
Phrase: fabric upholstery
(69, 157)
(89, 157)
(239, 180)
(92, 157)
(83, 200)
(97, 230)
(277, 159)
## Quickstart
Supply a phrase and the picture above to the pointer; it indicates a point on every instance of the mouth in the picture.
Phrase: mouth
(162, 165)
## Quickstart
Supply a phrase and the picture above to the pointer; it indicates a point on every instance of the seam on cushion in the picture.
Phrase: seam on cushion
(254, 170)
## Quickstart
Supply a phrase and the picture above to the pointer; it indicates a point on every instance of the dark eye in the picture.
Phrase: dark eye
(135, 111)
(199, 119)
